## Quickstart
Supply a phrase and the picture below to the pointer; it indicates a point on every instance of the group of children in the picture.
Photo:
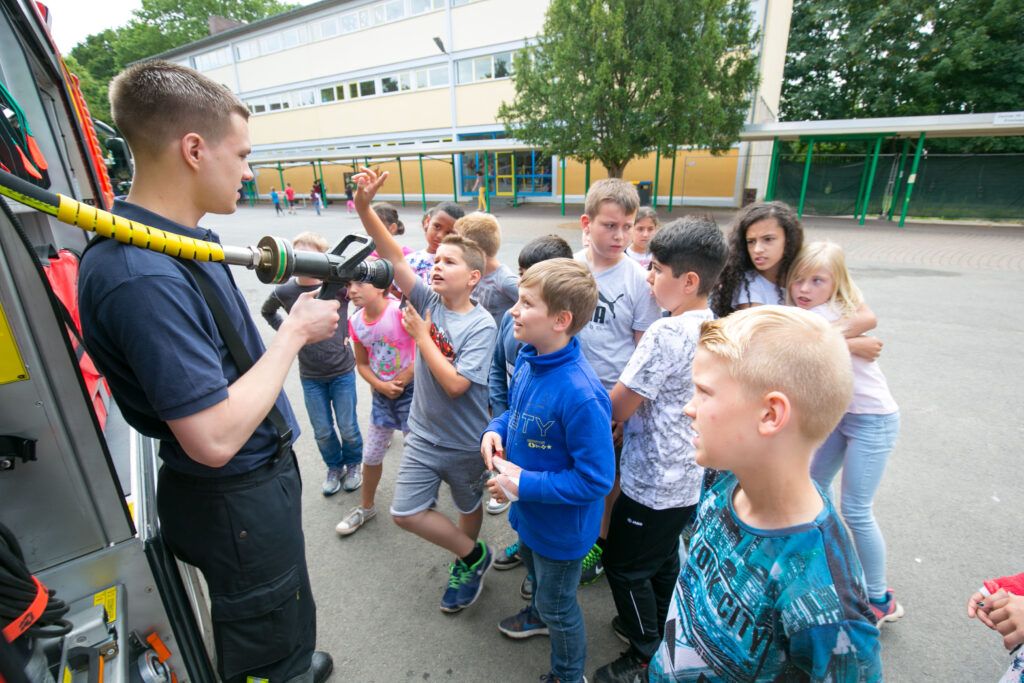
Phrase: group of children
(615, 397)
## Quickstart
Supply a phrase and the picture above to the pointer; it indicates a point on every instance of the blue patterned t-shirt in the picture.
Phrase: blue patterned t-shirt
(767, 605)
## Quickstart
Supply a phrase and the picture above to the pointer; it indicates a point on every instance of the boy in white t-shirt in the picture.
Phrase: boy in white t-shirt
(625, 307)
(659, 478)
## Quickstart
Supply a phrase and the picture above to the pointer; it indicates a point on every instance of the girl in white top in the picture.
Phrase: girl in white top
(645, 225)
(863, 440)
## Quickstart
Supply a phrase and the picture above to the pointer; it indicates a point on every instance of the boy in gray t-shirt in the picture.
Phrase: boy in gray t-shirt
(625, 307)
(454, 338)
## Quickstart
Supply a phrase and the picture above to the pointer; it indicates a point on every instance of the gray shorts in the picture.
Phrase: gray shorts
(424, 466)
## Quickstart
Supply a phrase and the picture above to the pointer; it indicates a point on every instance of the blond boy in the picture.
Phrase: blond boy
(454, 337)
(772, 588)
(498, 288)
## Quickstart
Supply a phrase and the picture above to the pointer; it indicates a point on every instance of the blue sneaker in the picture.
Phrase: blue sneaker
(508, 558)
(525, 624)
(465, 583)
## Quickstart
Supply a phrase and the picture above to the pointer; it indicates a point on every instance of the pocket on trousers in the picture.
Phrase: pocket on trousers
(258, 626)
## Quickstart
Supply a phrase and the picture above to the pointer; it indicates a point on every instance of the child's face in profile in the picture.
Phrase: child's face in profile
(439, 226)
(766, 242)
(532, 322)
(643, 231)
(450, 275)
(666, 288)
(812, 288)
(609, 231)
(724, 417)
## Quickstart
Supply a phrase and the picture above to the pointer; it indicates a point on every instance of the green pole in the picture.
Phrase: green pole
(280, 174)
(807, 173)
(366, 162)
(586, 181)
(899, 178)
(672, 179)
(423, 188)
(562, 178)
(455, 187)
(515, 193)
(487, 187)
(401, 179)
(323, 195)
(871, 178)
(657, 170)
(773, 169)
(912, 178)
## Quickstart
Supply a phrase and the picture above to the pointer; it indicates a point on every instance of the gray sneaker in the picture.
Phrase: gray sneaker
(332, 484)
(354, 477)
(354, 520)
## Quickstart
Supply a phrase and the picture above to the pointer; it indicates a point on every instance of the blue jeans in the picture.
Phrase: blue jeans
(340, 392)
(554, 599)
(861, 445)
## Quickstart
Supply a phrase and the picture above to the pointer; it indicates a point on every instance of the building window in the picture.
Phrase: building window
(395, 10)
(340, 92)
(326, 95)
(439, 76)
(420, 6)
(367, 88)
(388, 84)
(464, 71)
(349, 23)
(503, 65)
(405, 80)
(269, 44)
(484, 68)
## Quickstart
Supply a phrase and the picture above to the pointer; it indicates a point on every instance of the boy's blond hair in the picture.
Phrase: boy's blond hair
(483, 229)
(156, 102)
(827, 256)
(471, 251)
(565, 285)
(613, 190)
(789, 350)
(312, 239)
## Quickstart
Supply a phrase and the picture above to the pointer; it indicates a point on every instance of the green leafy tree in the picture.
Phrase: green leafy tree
(158, 26)
(94, 92)
(610, 79)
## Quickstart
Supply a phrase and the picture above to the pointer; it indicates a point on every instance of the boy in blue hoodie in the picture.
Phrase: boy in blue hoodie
(553, 451)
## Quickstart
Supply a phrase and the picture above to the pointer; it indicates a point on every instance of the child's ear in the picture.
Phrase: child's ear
(474, 277)
(692, 283)
(563, 319)
(776, 413)
(585, 222)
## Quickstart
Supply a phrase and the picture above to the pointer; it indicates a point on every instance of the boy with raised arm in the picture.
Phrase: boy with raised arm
(660, 480)
(454, 338)
(772, 589)
(560, 460)
(229, 494)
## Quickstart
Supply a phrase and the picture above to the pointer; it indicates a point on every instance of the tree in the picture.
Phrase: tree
(856, 58)
(610, 79)
(94, 92)
(158, 26)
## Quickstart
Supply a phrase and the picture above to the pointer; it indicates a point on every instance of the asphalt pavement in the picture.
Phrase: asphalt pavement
(951, 504)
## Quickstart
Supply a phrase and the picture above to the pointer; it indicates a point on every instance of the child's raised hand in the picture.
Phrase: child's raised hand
(367, 185)
(490, 446)
(416, 326)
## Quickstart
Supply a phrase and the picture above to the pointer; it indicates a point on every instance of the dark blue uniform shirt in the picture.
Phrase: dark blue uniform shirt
(151, 333)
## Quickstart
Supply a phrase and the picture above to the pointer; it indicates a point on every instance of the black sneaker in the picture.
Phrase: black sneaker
(509, 558)
(620, 629)
(593, 568)
(625, 669)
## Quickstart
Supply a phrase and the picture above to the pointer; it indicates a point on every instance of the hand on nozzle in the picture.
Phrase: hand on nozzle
(367, 185)
(314, 319)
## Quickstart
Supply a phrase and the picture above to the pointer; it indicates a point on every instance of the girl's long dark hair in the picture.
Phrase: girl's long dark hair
(739, 263)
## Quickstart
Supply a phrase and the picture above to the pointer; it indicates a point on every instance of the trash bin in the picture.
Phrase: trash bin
(643, 188)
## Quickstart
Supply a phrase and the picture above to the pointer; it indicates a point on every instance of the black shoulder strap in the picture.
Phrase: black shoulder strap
(237, 350)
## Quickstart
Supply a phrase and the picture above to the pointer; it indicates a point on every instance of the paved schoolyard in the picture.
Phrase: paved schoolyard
(951, 505)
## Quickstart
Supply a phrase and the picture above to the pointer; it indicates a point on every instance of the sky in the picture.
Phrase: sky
(73, 20)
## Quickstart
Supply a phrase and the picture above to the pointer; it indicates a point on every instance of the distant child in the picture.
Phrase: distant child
(625, 307)
(326, 369)
(289, 194)
(555, 456)
(314, 197)
(454, 338)
(999, 604)
(276, 199)
(498, 289)
(384, 358)
(644, 227)
(439, 223)
(348, 198)
(772, 589)
(480, 187)
(660, 480)
(861, 444)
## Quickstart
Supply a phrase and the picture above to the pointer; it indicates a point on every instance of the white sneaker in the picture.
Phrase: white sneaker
(493, 507)
(354, 520)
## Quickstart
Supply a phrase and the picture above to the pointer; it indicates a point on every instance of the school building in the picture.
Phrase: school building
(413, 87)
